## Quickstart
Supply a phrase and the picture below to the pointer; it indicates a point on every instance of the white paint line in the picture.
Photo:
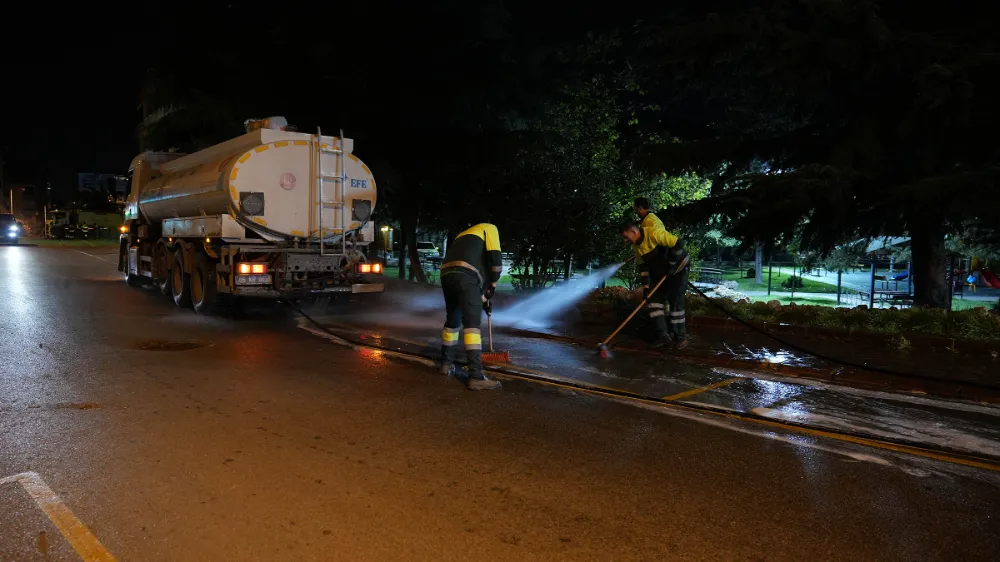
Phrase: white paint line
(93, 256)
(73, 530)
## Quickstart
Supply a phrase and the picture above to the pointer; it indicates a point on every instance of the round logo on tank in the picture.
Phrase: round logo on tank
(287, 181)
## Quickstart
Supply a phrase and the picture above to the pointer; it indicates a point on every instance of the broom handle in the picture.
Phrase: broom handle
(643, 303)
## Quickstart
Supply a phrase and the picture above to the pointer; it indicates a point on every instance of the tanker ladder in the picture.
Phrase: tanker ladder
(339, 180)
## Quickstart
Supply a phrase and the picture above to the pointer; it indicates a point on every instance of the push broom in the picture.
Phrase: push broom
(602, 347)
(493, 356)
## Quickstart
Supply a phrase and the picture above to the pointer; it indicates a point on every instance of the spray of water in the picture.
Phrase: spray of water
(546, 308)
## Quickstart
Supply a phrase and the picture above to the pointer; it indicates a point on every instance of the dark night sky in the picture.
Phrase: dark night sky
(69, 99)
(71, 83)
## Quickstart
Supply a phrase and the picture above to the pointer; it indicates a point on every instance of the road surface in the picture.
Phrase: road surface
(131, 430)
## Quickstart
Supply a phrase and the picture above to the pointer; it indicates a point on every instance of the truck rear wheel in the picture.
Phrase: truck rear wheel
(203, 295)
(130, 279)
(180, 283)
(161, 259)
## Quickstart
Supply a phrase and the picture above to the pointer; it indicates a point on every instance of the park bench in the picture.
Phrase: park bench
(709, 275)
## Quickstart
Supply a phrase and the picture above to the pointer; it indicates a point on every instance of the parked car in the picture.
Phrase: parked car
(427, 249)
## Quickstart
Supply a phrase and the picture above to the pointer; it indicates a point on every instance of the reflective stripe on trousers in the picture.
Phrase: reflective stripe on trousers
(449, 336)
(472, 338)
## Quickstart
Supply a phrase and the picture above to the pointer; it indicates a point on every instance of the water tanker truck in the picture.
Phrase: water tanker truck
(270, 214)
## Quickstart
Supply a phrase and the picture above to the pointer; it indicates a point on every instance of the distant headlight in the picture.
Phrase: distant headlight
(14, 228)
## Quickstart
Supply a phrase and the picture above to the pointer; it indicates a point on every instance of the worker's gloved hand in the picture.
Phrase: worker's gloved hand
(488, 306)
(490, 289)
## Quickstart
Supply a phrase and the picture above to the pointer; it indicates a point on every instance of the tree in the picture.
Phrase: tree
(830, 121)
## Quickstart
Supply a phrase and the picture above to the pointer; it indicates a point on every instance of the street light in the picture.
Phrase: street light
(385, 243)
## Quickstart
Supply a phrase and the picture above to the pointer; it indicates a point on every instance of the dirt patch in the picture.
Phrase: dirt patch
(77, 406)
(164, 345)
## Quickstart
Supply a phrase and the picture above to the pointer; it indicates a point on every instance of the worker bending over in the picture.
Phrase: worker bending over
(469, 275)
(646, 217)
(661, 254)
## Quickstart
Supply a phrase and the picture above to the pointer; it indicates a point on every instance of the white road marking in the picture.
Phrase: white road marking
(75, 532)
(93, 256)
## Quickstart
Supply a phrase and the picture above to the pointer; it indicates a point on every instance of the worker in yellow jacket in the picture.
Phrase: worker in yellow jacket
(469, 274)
(661, 254)
(646, 217)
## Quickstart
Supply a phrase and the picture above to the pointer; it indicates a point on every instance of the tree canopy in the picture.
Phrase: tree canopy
(810, 122)
(826, 121)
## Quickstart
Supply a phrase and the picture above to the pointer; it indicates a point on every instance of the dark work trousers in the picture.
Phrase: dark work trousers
(666, 306)
(464, 305)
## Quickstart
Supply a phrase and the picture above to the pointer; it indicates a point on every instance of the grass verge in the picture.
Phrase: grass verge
(70, 243)
(809, 285)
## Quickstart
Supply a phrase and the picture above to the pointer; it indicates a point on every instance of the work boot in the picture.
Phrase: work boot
(662, 335)
(661, 341)
(681, 344)
(447, 360)
(474, 363)
(482, 384)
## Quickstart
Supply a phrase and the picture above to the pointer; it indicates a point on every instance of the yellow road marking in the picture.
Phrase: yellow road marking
(73, 530)
(597, 390)
(701, 389)
(907, 449)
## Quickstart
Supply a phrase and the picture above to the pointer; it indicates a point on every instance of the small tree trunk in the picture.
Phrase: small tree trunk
(409, 227)
(569, 265)
(402, 253)
(759, 265)
(930, 287)
(416, 268)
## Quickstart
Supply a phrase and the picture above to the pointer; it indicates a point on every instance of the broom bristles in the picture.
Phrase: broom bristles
(496, 357)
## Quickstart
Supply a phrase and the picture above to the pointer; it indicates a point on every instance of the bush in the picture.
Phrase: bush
(793, 282)
(974, 324)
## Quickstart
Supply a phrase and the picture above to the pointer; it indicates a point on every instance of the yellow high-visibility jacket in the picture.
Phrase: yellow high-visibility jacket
(477, 251)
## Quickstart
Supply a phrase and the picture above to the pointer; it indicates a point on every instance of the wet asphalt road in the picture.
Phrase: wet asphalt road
(270, 444)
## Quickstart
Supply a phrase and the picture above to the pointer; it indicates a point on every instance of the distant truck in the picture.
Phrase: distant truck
(74, 223)
(271, 214)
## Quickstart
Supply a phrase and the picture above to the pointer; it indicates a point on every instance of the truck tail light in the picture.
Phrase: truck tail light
(376, 268)
(365, 268)
(255, 268)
